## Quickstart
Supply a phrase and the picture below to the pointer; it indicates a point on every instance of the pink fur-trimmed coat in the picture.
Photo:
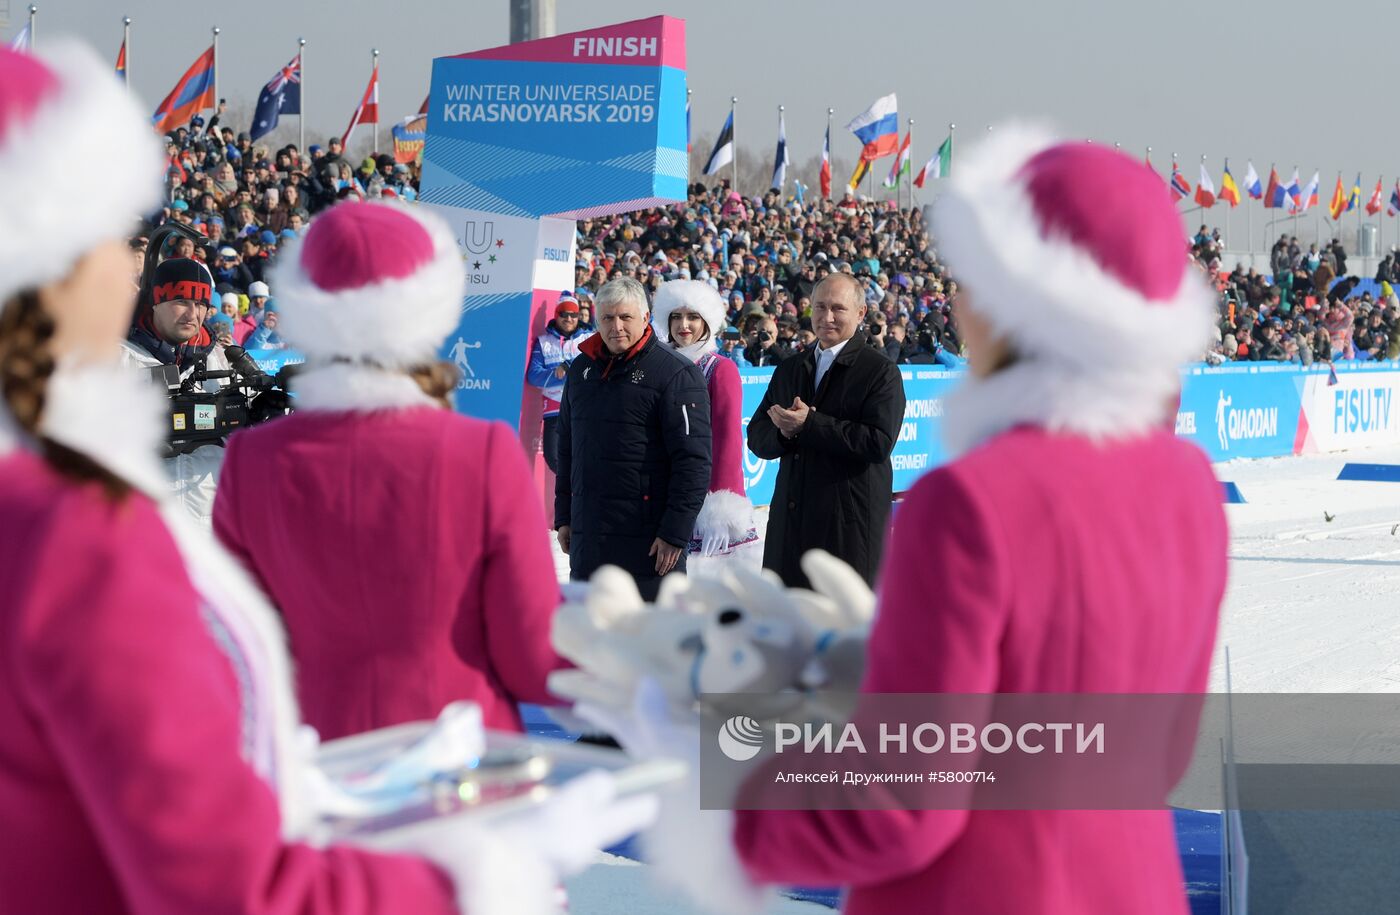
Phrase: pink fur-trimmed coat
(1038, 562)
(406, 548)
(122, 785)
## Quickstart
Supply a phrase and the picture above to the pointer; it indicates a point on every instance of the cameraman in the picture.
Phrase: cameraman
(169, 330)
(763, 347)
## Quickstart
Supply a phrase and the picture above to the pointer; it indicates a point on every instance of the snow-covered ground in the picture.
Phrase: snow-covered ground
(1313, 604)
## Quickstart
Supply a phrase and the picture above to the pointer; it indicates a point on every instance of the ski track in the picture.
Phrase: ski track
(1311, 604)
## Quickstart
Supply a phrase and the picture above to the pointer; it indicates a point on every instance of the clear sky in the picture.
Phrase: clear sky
(1285, 81)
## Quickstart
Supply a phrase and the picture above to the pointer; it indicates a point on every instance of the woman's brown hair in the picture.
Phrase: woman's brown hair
(437, 379)
(26, 364)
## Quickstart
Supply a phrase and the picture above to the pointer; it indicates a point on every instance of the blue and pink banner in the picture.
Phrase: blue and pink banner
(1243, 410)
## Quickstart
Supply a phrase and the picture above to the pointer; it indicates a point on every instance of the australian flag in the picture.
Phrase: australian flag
(280, 96)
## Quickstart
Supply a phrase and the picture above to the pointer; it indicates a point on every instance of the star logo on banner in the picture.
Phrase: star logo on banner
(500, 243)
(476, 265)
(492, 258)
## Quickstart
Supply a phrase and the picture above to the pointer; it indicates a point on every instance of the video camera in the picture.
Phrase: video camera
(248, 396)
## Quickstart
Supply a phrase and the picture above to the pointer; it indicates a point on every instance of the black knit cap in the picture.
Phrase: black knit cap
(182, 278)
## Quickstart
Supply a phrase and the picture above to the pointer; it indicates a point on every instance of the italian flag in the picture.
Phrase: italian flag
(939, 166)
(901, 164)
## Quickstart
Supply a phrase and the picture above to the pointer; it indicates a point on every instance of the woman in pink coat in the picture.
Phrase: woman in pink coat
(150, 754)
(404, 543)
(1073, 544)
(687, 314)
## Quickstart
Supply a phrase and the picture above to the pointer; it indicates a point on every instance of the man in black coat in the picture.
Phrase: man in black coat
(832, 415)
(634, 446)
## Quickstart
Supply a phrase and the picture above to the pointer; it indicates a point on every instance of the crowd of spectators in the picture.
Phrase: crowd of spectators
(248, 200)
(764, 254)
(1306, 309)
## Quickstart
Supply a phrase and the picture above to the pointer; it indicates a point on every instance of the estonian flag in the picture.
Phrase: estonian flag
(723, 153)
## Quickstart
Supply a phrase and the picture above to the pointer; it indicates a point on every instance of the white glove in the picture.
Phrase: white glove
(714, 542)
(584, 816)
(651, 730)
(689, 849)
(515, 867)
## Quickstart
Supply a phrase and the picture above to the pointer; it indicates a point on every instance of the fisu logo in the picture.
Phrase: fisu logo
(478, 240)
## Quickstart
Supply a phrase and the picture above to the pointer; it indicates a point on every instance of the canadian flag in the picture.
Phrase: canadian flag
(368, 112)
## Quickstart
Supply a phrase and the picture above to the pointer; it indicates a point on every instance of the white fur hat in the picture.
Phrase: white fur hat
(695, 295)
(62, 113)
(372, 281)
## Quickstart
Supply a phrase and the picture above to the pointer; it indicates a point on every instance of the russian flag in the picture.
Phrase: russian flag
(1274, 194)
(877, 128)
(192, 94)
(1294, 193)
(1251, 182)
(1394, 200)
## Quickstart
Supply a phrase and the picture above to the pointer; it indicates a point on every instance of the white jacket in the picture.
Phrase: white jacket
(193, 476)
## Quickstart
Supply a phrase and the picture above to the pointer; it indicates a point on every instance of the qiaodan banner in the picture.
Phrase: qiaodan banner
(522, 140)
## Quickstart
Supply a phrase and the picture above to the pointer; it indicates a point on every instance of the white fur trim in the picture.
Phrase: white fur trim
(699, 297)
(1046, 295)
(693, 850)
(724, 512)
(50, 215)
(1100, 405)
(397, 322)
(491, 874)
(113, 414)
(342, 387)
(220, 577)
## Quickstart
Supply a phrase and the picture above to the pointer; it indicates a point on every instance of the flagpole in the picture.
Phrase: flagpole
(826, 143)
(1249, 224)
(374, 75)
(1173, 175)
(33, 12)
(215, 30)
(733, 139)
(301, 108)
(1295, 211)
(782, 131)
(899, 175)
(126, 49)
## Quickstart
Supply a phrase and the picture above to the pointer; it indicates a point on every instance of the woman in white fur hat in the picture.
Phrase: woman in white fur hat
(687, 314)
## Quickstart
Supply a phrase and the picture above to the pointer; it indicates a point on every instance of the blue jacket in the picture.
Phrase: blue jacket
(550, 350)
(265, 338)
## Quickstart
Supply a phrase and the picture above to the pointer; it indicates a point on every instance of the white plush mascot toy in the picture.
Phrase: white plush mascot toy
(738, 643)
(739, 634)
